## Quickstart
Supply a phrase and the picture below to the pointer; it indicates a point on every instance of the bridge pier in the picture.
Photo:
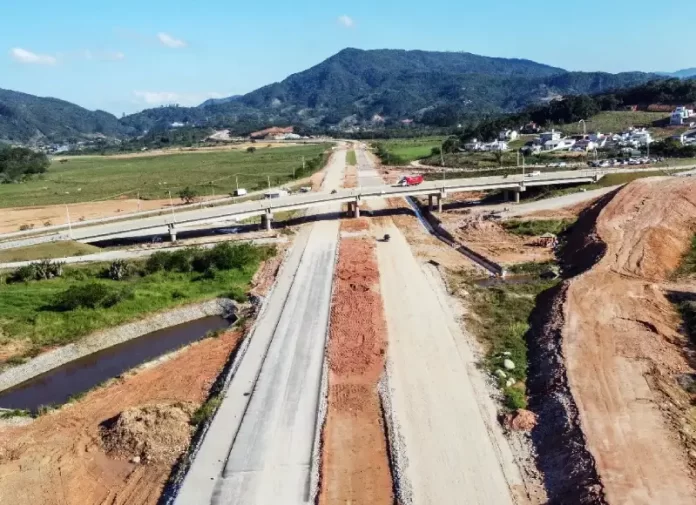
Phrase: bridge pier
(172, 232)
(517, 196)
(440, 197)
(267, 220)
(356, 209)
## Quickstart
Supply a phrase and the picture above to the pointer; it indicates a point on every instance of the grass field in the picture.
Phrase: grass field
(49, 250)
(617, 121)
(27, 311)
(351, 159)
(102, 178)
(537, 228)
(407, 150)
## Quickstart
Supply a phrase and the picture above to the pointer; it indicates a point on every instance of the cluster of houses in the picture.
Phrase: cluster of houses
(682, 116)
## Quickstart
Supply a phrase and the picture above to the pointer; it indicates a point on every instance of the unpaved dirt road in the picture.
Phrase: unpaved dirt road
(448, 450)
(620, 331)
(258, 450)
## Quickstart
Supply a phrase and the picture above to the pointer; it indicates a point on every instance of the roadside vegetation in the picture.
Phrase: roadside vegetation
(351, 158)
(498, 316)
(20, 163)
(688, 264)
(536, 228)
(85, 179)
(49, 250)
(75, 301)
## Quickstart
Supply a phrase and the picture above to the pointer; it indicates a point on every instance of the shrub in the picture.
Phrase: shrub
(187, 195)
(238, 295)
(206, 411)
(157, 262)
(22, 274)
(26, 227)
(251, 149)
(41, 270)
(180, 261)
(118, 270)
(88, 296)
(515, 399)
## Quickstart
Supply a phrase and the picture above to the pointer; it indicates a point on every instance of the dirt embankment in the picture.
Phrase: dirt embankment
(355, 463)
(607, 348)
(65, 457)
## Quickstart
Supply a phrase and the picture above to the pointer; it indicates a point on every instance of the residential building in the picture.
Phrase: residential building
(547, 136)
(508, 135)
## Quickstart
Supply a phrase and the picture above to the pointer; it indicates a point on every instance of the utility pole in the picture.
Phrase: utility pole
(171, 205)
(67, 211)
(584, 127)
(236, 182)
(269, 181)
(138, 197)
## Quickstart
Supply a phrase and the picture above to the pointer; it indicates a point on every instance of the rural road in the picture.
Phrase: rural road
(259, 447)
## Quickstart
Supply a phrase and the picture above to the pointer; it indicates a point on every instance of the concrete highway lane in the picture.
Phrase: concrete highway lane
(258, 449)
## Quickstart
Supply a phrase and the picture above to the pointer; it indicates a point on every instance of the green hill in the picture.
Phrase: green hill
(30, 119)
(432, 87)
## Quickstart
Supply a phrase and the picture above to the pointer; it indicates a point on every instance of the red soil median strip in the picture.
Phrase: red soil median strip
(355, 464)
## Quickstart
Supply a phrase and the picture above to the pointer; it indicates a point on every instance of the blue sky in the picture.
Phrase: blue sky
(126, 55)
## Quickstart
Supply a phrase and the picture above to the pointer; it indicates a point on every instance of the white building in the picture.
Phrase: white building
(547, 136)
(508, 135)
(558, 144)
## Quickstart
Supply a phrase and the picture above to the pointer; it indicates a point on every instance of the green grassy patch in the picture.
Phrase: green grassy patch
(404, 151)
(62, 310)
(206, 411)
(50, 250)
(531, 268)
(617, 121)
(84, 179)
(499, 316)
(351, 159)
(688, 263)
(536, 228)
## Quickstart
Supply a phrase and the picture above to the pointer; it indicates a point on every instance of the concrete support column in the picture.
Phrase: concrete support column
(439, 204)
(517, 196)
(356, 209)
(267, 220)
(172, 233)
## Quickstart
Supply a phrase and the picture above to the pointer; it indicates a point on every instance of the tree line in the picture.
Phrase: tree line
(18, 163)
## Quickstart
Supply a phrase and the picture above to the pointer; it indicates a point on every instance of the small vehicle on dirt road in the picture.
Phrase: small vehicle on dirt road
(386, 237)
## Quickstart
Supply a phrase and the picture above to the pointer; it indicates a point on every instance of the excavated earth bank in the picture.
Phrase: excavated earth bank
(599, 344)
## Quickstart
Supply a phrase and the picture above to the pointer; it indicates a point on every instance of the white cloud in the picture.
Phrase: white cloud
(102, 55)
(346, 21)
(170, 41)
(171, 97)
(23, 56)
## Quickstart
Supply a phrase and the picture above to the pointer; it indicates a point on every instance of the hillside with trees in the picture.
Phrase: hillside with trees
(29, 119)
(572, 109)
(17, 163)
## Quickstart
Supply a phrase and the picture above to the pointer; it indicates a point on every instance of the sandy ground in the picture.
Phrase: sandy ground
(59, 458)
(491, 240)
(425, 246)
(355, 465)
(620, 339)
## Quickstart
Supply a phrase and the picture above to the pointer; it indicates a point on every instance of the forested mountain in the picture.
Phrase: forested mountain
(31, 119)
(433, 87)
(353, 87)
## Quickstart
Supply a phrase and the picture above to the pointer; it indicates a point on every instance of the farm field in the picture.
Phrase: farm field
(102, 178)
(403, 151)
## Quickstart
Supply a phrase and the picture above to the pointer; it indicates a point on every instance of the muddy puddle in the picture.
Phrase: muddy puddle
(59, 385)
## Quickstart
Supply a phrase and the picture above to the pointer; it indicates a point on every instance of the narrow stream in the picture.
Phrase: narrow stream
(58, 385)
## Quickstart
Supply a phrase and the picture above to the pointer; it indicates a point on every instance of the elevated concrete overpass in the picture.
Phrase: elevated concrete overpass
(170, 221)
